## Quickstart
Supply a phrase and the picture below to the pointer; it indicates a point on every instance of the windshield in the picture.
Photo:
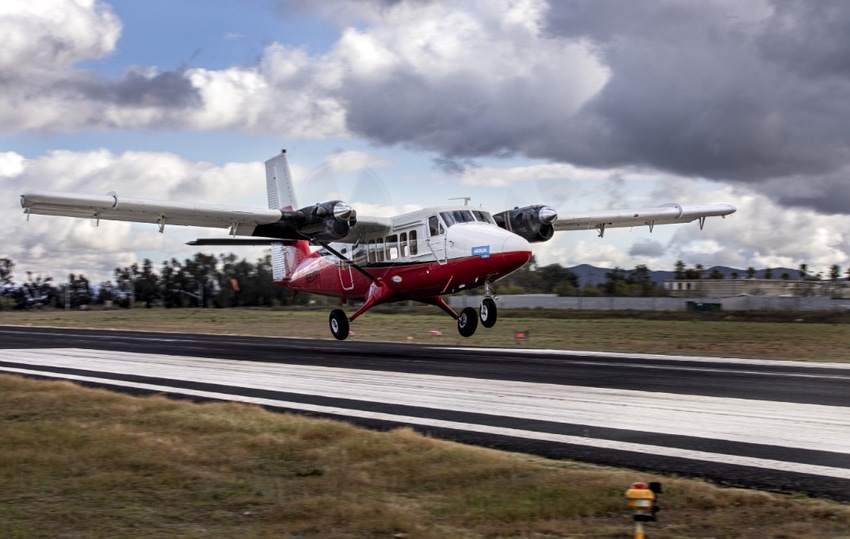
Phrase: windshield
(484, 216)
(457, 216)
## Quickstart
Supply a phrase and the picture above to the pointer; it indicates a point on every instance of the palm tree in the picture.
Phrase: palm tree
(834, 272)
(680, 269)
(803, 270)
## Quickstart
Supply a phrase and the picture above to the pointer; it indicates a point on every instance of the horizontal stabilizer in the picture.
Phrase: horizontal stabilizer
(236, 241)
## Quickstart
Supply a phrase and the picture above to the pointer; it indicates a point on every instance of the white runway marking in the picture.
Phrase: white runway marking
(803, 426)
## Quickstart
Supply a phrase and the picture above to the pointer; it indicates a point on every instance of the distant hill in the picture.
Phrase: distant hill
(594, 275)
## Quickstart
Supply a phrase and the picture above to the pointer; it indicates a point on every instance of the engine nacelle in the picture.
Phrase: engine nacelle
(534, 223)
(326, 221)
(323, 222)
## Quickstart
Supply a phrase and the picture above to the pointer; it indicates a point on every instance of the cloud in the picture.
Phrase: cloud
(649, 248)
(40, 36)
(711, 89)
(764, 234)
(472, 82)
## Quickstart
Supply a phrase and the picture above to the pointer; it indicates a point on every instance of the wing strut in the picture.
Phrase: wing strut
(347, 261)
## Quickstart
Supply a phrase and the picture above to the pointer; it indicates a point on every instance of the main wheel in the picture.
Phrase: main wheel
(489, 313)
(467, 322)
(339, 324)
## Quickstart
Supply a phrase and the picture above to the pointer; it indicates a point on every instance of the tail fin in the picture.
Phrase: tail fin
(285, 256)
(279, 183)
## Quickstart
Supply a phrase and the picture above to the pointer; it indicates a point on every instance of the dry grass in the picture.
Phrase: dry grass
(724, 336)
(77, 462)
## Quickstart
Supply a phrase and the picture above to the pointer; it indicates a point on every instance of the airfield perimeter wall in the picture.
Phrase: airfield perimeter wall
(737, 303)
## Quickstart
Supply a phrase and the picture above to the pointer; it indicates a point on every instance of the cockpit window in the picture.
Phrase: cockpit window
(483, 216)
(457, 216)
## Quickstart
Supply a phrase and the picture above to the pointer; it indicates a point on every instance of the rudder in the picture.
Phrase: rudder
(286, 256)
(279, 184)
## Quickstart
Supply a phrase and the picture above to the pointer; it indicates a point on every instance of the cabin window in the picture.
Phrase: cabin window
(414, 247)
(379, 250)
(392, 247)
(402, 244)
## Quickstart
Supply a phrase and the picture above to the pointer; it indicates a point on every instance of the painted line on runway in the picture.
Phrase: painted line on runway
(658, 357)
(790, 425)
(777, 465)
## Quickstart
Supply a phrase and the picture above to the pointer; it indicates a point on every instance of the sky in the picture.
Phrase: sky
(401, 104)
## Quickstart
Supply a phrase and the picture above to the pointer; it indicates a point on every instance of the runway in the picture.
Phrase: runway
(771, 425)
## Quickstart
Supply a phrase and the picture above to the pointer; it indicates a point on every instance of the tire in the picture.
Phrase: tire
(467, 322)
(339, 324)
(489, 313)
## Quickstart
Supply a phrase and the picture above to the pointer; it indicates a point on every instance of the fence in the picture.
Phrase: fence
(738, 303)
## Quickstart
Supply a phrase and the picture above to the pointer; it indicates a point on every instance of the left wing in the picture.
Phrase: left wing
(663, 215)
(239, 220)
(327, 221)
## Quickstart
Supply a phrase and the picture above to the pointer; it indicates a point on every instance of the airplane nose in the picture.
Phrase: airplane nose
(516, 244)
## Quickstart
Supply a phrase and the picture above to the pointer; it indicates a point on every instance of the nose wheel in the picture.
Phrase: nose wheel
(488, 312)
(339, 324)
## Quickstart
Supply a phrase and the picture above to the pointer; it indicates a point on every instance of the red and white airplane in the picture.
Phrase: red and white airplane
(421, 256)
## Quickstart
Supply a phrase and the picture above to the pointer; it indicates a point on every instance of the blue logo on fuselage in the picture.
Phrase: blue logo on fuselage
(483, 251)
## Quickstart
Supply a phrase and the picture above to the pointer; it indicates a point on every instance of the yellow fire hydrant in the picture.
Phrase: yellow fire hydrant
(641, 498)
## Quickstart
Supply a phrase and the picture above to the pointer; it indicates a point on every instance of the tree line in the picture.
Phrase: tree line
(206, 280)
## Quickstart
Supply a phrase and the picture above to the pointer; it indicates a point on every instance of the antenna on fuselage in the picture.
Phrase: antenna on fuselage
(465, 200)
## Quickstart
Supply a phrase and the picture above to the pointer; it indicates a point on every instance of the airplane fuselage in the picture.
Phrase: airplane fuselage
(427, 253)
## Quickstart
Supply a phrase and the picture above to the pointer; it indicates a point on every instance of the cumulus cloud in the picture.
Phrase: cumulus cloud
(39, 36)
(42, 41)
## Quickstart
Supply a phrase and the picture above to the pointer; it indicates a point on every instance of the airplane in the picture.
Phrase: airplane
(422, 255)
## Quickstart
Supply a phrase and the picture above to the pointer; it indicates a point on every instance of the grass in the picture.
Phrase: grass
(804, 337)
(77, 462)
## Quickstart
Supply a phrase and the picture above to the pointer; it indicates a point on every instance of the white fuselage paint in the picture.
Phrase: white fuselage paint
(790, 425)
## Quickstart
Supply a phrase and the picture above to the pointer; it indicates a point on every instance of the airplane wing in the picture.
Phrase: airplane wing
(662, 215)
(239, 220)
(329, 221)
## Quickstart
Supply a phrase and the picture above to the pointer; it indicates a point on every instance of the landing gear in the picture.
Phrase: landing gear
(489, 313)
(339, 324)
(467, 322)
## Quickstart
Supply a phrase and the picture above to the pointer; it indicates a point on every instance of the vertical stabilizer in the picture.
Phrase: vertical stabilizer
(281, 191)
(279, 183)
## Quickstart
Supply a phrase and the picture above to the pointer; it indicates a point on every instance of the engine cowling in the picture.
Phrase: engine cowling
(323, 222)
(326, 221)
(534, 223)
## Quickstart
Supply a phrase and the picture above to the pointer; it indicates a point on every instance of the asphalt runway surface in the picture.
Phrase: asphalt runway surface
(782, 426)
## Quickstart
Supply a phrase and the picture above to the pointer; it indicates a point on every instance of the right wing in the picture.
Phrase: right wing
(666, 214)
